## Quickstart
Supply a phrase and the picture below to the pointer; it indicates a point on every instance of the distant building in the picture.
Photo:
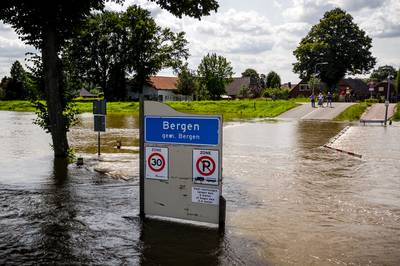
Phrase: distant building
(86, 94)
(352, 90)
(379, 90)
(347, 89)
(234, 88)
(160, 89)
(302, 89)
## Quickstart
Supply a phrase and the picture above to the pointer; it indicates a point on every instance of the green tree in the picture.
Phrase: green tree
(397, 83)
(14, 87)
(273, 80)
(187, 84)
(382, 73)
(337, 40)
(214, 72)
(244, 92)
(47, 25)
(252, 73)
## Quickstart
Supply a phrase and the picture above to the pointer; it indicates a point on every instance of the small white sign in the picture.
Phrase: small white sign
(371, 89)
(205, 195)
(157, 163)
(205, 167)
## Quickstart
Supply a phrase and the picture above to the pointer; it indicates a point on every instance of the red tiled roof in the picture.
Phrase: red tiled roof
(164, 83)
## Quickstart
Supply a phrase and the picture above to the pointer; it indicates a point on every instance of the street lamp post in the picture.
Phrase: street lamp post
(315, 72)
(387, 99)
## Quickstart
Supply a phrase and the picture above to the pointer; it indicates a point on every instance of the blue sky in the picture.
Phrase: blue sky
(259, 34)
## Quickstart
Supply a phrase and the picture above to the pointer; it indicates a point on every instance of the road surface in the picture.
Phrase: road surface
(306, 112)
(377, 112)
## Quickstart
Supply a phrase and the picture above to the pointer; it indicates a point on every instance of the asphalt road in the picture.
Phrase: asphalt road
(306, 112)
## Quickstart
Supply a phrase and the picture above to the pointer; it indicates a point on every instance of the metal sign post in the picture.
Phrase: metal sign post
(99, 112)
(181, 165)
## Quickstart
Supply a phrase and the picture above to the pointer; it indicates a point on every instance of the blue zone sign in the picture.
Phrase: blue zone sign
(182, 130)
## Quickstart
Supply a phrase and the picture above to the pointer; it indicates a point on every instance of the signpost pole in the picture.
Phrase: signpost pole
(98, 143)
(141, 155)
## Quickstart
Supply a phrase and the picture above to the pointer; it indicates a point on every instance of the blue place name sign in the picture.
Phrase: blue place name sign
(182, 130)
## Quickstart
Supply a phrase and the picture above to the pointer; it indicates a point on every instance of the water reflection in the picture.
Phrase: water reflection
(175, 244)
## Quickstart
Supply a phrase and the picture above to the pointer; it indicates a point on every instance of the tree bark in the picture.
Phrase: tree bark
(54, 96)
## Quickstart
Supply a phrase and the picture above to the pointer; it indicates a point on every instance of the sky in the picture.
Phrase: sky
(259, 34)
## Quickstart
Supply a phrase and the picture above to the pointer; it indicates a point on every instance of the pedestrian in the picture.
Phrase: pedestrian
(329, 98)
(312, 98)
(320, 100)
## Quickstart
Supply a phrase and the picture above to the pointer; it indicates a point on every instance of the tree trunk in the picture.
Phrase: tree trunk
(54, 96)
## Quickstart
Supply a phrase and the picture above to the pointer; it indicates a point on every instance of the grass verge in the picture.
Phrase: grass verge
(243, 109)
(353, 112)
(396, 116)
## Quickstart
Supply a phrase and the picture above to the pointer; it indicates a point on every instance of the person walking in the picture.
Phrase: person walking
(312, 98)
(329, 98)
(320, 100)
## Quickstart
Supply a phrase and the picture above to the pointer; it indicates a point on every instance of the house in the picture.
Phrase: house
(236, 87)
(352, 90)
(303, 89)
(347, 89)
(379, 90)
(160, 88)
(86, 94)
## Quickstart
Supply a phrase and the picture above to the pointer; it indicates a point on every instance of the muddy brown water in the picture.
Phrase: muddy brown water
(289, 200)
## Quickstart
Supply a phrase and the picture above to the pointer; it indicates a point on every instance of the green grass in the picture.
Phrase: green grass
(19, 106)
(243, 109)
(353, 112)
(396, 116)
(300, 100)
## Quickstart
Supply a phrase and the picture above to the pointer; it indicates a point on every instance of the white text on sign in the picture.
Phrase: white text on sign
(205, 195)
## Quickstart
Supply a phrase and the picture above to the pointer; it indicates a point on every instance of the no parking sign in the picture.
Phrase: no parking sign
(205, 167)
(157, 163)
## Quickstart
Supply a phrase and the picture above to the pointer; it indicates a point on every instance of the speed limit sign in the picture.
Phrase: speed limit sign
(157, 163)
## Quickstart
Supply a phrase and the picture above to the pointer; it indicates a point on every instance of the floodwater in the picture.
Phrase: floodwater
(290, 201)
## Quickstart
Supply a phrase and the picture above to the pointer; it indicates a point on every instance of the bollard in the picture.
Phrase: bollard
(119, 144)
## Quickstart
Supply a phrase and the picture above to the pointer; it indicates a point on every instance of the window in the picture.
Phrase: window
(303, 87)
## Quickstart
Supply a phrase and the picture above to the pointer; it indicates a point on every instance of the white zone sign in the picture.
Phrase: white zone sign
(157, 163)
(205, 195)
(205, 167)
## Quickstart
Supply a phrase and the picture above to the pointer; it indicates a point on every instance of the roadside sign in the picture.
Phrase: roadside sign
(157, 163)
(99, 123)
(99, 107)
(371, 89)
(181, 165)
(205, 167)
(189, 130)
(205, 195)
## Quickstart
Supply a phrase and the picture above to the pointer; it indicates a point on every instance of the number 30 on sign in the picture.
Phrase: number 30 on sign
(157, 163)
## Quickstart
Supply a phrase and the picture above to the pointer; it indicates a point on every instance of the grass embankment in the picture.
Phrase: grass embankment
(243, 109)
(396, 116)
(229, 109)
(353, 112)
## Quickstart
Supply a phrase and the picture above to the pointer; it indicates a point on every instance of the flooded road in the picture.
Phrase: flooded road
(289, 200)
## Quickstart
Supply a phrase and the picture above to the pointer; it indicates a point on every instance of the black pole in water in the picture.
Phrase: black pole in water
(141, 155)
(98, 143)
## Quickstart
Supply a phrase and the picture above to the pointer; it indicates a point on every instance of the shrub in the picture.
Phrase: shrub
(276, 94)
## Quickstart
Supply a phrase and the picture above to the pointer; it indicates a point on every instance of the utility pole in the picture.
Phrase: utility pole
(315, 72)
(387, 99)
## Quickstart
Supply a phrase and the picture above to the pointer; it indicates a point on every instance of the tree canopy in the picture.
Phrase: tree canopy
(187, 84)
(337, 40)
(252, 73)
(273, 80)
(382, 73)
(214, 72)
(111, 44)
(49, 24)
